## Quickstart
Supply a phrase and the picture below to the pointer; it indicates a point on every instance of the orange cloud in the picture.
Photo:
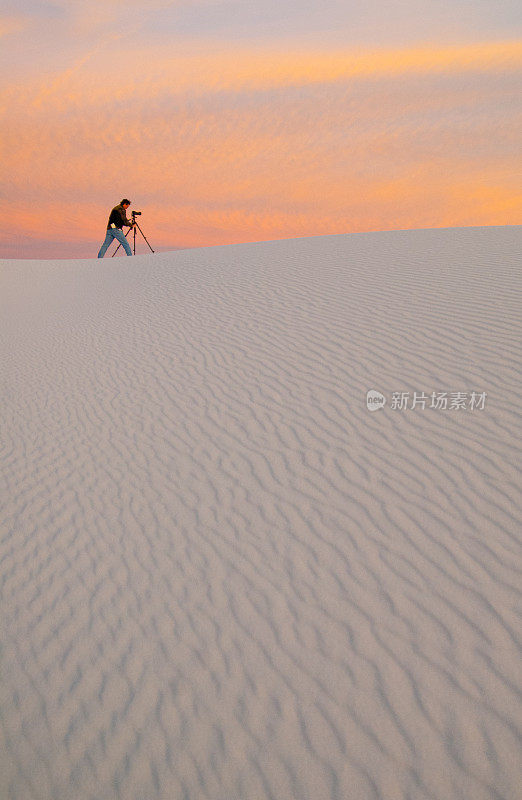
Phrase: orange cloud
(223, 147)
(203, 69)
(12, 24)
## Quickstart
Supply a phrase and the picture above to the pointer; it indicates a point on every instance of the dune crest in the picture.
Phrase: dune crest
(223, 574)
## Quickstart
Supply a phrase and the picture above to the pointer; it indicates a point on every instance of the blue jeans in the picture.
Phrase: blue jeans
(112, 234)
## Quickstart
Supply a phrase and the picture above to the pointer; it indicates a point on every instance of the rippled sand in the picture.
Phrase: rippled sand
(221, 576)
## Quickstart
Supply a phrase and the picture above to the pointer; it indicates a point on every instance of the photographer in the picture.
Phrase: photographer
(117, 219)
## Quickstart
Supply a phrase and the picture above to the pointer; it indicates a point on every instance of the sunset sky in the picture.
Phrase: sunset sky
(245, 120)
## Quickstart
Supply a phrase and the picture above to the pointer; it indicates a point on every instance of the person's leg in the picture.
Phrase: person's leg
(120, 236)
(107, 243)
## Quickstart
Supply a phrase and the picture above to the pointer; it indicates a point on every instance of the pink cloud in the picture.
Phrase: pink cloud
(221, 146)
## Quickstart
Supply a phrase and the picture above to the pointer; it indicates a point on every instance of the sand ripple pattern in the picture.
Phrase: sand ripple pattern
(221, 577)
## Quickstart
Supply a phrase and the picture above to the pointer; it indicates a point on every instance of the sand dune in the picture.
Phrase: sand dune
(222, 576)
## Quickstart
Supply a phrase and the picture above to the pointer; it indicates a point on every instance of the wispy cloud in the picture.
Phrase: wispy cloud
(203, 69)
(12, 23)
(255, 144)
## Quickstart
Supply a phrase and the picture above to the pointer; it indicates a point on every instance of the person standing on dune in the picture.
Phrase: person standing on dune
(117, 219)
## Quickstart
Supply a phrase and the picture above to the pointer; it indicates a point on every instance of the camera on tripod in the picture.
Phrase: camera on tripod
(135, 225)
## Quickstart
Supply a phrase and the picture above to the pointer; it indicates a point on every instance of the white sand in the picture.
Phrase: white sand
(222, 576)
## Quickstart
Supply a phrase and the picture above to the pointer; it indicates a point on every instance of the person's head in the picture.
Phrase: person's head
(125, 203)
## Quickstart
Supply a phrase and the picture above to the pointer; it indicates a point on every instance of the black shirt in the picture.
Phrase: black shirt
(118, 218)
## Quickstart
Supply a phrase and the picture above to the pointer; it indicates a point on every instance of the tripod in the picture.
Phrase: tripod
(135, 225)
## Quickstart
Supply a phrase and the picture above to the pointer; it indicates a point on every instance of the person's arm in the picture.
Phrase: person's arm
(124, 219)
